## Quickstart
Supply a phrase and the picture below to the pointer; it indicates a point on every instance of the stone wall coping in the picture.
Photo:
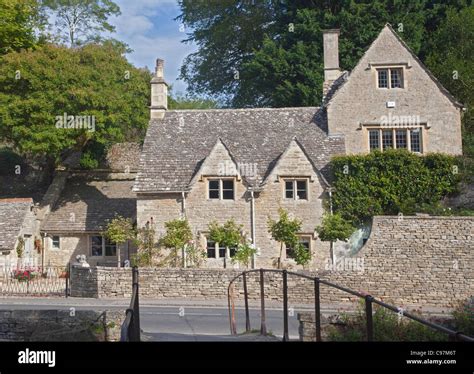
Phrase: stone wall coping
(415, 218)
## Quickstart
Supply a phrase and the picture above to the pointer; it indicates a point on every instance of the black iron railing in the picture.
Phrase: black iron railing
(130, 331)
(369, 301)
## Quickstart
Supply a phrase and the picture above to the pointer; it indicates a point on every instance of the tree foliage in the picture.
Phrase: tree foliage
(38, 87)
(80, 21)
(284, 231)
(270, 53)
(334, 227)
(228, 235)
(178, 235)
(392, 182)
(18, 21)
(119, 230)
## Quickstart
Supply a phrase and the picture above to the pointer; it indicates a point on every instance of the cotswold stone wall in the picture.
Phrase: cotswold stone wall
(60, 325)
(407, 261)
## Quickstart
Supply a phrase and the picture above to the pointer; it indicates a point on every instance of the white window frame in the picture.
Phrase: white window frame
(295, 188)
(53, 247)
(221, 188)
(394, 130)
(389, 77)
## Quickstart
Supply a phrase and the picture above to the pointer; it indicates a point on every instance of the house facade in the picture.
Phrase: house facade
(245, 164)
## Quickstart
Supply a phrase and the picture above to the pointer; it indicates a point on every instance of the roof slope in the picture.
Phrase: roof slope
(86, 205)
(13, 213)
(176, 146)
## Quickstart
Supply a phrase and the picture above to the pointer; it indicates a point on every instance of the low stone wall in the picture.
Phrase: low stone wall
(60, 325)
(407, 261)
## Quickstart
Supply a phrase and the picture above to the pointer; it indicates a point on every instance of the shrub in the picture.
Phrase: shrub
(391, 182)
(243, 254)
(464, 317)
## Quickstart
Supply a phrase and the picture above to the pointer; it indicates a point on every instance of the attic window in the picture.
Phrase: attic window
(296, 189)
(390, 78)
(220, 189)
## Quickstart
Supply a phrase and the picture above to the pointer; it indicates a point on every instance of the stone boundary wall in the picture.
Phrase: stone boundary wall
(407, 261)
(60, 325)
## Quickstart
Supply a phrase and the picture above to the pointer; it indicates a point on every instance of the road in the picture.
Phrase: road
(177, 320)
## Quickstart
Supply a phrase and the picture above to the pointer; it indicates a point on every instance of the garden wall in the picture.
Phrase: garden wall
(408, 261)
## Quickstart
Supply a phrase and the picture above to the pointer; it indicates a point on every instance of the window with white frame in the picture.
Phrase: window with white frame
(384, 138)
(296, 189)
(390, 78)
(102, 247)
(55, 242)
(221, 189)
(304, 241)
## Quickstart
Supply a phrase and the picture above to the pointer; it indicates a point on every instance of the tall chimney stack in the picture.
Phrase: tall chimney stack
(159, 92)
(331, 58)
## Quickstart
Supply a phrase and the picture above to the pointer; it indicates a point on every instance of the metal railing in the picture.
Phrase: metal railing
(130, 331)
(369, 301)
(34, 280)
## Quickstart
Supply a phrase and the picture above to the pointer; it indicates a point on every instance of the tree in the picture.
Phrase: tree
(146, 243)
(334, 227)
(79, 21)
(178, 235)
(95, 85)
(451, 59)
(189, 102)
(228, 235)
(119, 231)
(269, 53)
(244, 253)
(18, 21)
(284, 231)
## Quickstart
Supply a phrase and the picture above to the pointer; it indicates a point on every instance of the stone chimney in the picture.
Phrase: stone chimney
(159, 92)
(331, 58)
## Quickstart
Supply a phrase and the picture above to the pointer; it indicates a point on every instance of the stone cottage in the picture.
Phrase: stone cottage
(245, 164)
(18, 245)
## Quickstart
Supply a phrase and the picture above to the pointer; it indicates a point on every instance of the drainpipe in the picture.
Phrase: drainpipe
(252, 227)
(183, 216)
(333, 257)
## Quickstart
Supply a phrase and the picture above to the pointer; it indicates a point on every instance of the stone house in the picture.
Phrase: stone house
(206, 165)
(18, 228)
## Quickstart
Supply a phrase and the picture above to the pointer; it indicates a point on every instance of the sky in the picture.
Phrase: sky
(149, 28)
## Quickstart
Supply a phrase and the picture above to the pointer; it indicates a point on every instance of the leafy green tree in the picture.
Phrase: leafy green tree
(18, 21)
(119, 231)
(451, 59)
(284, 231)
(38, 88)
(228, 235)
(269, 53)
(147, 246)
(79, 21)
(334, 227)
(178, 235)
(188, 102)
(244, 254)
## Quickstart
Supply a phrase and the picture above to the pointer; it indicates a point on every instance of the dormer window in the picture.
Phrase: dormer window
(390, 78)
(221, 189)
(296, 189)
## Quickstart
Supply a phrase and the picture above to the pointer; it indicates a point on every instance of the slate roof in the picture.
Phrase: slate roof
(13, 213)
(176, 145)
(86, 205)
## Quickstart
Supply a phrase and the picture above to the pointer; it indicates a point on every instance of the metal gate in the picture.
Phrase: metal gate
(34, 281)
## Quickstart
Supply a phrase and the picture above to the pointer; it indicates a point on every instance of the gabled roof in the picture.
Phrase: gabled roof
(13, 213)
(176, 145)
(340, 82)
(85, 205)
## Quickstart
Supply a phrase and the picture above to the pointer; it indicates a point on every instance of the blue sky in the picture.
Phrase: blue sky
(149, 28)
